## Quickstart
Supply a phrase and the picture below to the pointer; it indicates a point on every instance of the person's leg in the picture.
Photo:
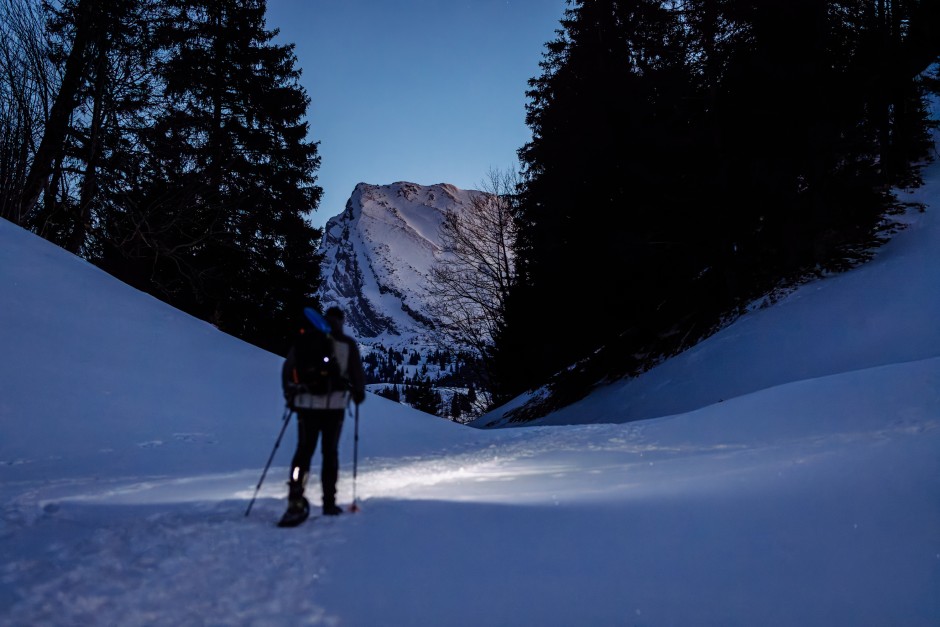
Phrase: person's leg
(307, 432)
(331, 426)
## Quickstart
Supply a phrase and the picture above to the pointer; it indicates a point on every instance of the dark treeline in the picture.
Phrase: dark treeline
(688, 155)
(165, 142)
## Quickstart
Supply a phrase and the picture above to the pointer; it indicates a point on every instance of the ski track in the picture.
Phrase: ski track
(166, 566)
(109, 557)
(87, 552)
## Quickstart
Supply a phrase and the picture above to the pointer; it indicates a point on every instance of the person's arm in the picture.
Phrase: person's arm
(287, 375)
(357, 376)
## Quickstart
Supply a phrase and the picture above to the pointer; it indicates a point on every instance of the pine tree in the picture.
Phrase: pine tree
(591, 215)
(688, 156)
(216, 214)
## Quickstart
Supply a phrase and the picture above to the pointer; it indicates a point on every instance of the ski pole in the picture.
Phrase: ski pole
(277, 443)
(355, 506)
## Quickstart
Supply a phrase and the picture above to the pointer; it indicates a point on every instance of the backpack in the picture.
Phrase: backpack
(316, 366)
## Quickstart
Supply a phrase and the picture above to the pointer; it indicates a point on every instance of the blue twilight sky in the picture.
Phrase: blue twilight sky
(427, 91)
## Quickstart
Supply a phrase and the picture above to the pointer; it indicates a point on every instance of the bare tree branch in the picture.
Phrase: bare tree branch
(26, 81)
(470, 282)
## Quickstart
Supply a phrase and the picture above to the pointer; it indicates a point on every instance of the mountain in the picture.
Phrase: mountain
(378, 253)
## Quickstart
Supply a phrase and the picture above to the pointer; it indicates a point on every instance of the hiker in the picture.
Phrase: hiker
(321, 373)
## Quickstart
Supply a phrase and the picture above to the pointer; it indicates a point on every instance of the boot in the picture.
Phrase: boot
(298, 508)
(297, 512)
(332, 509)
(295, 495)
(296, 486)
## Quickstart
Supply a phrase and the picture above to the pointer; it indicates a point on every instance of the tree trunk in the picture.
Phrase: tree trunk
(57, 125)
(82, 222)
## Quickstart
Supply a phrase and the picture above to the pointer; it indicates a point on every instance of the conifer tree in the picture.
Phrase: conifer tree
(216, 213)
(687, 156)
(589, 222)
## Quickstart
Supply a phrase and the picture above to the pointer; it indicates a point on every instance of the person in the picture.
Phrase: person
(320, 416)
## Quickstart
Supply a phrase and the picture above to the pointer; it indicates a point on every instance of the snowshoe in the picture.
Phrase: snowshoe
(297, 512)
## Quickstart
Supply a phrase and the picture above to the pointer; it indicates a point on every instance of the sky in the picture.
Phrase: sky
(424, 91)
(132, 438)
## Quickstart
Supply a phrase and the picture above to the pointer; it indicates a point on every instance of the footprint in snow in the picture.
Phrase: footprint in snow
(195, 438)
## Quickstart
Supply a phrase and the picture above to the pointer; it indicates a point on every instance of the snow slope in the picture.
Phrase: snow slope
(132, 437)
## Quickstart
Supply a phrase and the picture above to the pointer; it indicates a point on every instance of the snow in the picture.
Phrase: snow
(791, 478)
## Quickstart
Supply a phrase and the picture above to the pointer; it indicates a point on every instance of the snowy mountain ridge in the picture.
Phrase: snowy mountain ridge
(378, 253)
